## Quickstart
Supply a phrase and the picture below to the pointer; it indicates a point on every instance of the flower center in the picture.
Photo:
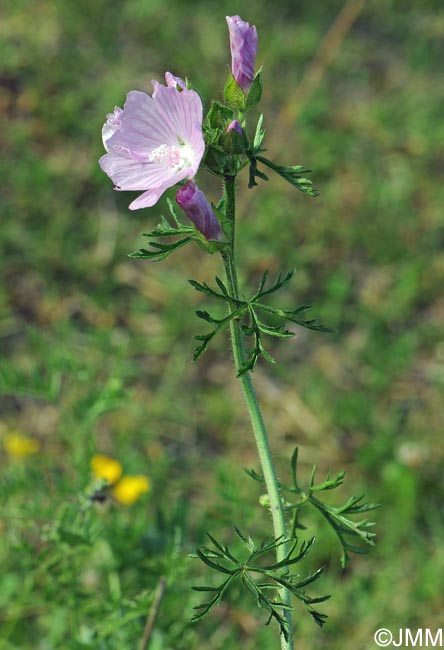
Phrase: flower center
(171, 156)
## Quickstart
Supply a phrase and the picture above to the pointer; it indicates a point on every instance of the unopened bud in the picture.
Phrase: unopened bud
(198, 210)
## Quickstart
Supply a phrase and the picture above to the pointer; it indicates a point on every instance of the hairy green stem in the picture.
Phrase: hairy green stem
(257, 422)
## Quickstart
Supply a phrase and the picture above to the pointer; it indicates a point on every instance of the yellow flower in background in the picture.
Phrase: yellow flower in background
(106, 468)
(125, 489)
(130, 488)
(17, 445)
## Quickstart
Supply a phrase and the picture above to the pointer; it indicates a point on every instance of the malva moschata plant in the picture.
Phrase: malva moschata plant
(159, 142)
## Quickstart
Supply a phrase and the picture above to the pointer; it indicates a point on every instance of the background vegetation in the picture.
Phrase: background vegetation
(96, 348)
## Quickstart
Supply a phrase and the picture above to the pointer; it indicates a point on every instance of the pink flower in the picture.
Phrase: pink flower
(243, 45)
(197, 208)
(154, 142)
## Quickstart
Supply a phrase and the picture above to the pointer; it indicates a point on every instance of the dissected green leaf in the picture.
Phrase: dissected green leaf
(254, 475)
(262, 581)
(293, 174)
(251, 324)
(159, 251)
(338, 517)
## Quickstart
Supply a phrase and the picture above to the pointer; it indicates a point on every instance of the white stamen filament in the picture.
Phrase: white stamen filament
(171, 156)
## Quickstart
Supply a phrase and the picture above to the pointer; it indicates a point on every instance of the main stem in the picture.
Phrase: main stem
(257, 422)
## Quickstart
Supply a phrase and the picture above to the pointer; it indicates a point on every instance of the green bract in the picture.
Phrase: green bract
(237, 98)
(234, 95)
(254, 94)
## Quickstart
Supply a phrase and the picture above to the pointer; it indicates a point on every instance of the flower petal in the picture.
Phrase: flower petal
(143, 125)
(173, 82)
(151, 196)
(112, 124)
(183, 110)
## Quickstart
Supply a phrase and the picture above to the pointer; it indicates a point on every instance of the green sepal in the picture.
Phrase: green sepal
(234, 95)
(215, 159)
(254, 93)
(223, 148)
(219, 162)
(219, 116)
(214, 246)
(233, 142)
(210, 246)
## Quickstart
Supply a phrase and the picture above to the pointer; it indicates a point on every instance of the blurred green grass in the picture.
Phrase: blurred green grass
(96, 348)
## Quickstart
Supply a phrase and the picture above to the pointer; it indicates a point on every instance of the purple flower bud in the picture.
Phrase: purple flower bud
(243, 45)
(197, 208)
(235, 126)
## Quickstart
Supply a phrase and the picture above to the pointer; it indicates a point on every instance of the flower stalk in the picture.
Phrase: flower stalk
(159, 142)
(254, 412)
